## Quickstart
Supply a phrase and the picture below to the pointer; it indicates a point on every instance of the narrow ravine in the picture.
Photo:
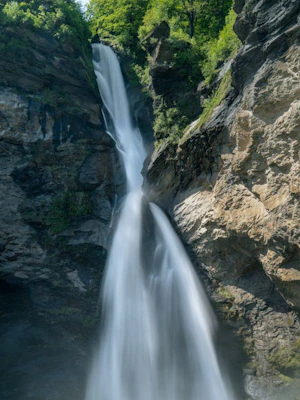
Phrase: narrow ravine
(157, 331)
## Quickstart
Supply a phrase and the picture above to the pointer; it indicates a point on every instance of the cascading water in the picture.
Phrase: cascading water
(156, 342)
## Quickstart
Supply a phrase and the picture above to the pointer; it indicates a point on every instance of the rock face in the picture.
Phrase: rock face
(58, 188)
(232, 188)
(169, 77)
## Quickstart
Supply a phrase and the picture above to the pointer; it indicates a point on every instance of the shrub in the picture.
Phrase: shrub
(219, 50)
(216, 99)
(169, 123)
(117, 20)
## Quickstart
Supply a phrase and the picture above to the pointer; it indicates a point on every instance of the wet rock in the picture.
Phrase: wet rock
(2, 245)
(102, 205)
(95, 170)
(53, 231)
(89, 231)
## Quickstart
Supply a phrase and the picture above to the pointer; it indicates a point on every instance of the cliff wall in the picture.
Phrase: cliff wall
(232, 187)
(59, 180)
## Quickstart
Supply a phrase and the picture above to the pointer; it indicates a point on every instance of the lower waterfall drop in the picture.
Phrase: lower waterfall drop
(157, 328)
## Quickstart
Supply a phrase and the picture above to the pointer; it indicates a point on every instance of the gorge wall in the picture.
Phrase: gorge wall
(232, 187)
(60, 178)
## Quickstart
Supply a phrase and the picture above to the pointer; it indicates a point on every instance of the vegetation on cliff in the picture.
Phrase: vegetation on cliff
(198, 19)
(53, 33)
(127, 20)
(118, 21)
(200, 39)
(220, 49)
(61, 18)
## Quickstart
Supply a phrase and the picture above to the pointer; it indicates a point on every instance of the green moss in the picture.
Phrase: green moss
(90, 322)
(285, 379)
(216, 99)
(248, 347)
(64, 311)
(286, 359)
(87, 64)
(66, 207)
(230, 313)
(13, 43)
(254, 365)
(48, 96)
(55, 97)
(224, 293)
(56, 219)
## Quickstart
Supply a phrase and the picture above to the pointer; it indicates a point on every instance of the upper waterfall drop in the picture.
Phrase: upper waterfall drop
(113, 93)
(157, 331)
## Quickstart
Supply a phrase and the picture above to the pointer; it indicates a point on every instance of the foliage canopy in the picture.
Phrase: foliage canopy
(126, 20)
(62, 18)
(117, 19)
(201, 19)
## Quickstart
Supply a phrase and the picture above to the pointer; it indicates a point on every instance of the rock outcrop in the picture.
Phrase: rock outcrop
(170, 78)
(59, 179)
(232, 187)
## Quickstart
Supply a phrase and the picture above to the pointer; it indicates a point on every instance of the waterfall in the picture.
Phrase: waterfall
(157, 328)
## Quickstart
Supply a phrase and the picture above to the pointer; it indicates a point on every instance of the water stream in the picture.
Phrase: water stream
(157, 328)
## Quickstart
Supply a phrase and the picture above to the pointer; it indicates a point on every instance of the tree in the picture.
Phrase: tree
(120, 19)
(196, 18)
(61, 18)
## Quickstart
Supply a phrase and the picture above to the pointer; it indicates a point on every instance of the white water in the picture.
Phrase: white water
(157, 335)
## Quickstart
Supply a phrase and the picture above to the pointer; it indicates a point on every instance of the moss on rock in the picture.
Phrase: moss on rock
(286, 359)
(216, 99)
(66, 207)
